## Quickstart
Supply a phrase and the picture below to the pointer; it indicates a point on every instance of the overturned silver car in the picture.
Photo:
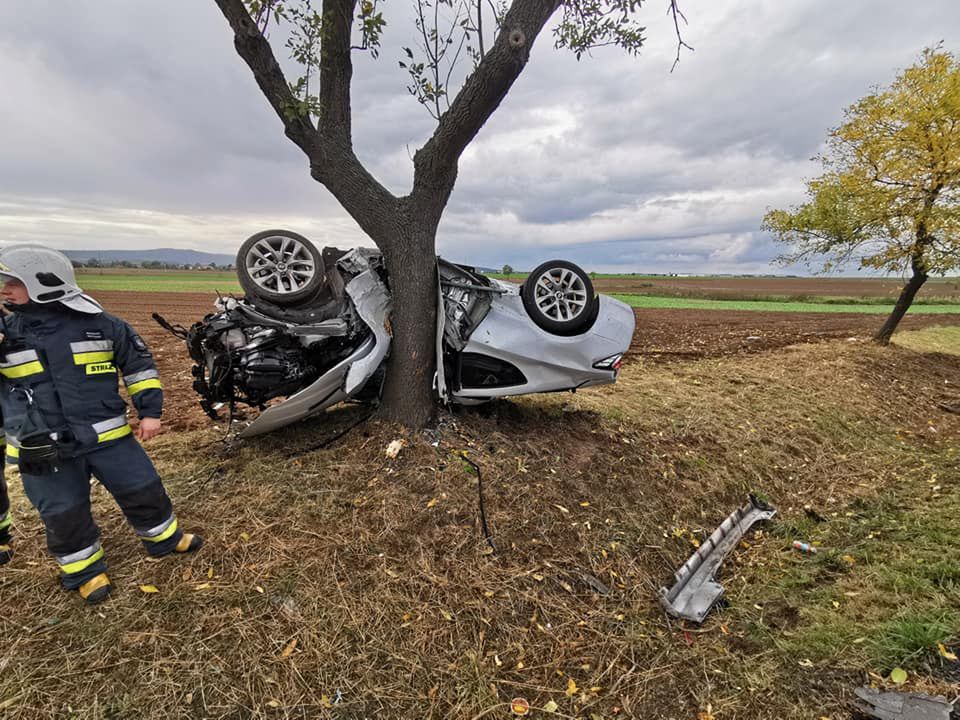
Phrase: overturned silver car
(313, 329)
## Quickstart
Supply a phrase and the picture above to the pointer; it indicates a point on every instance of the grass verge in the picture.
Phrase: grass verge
(931, 340)
(342, 583)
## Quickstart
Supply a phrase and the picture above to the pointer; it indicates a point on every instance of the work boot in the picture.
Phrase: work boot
(96, 589)
(6, 554)
(189, 543)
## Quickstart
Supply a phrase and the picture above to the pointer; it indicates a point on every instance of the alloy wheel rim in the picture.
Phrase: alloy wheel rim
(560, 294)
(280, 264)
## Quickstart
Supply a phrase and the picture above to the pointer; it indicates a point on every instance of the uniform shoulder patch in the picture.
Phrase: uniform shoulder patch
(139, 344)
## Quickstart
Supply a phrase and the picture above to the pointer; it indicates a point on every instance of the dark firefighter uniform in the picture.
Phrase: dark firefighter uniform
(66, 364)
(6, 552)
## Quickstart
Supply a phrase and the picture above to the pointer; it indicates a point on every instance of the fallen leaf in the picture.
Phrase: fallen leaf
(288, 650)
(946, 653)
(149, 589)
(273, 703)
(258, 589)
(433, 501)
(202, 586)
(561, 508)
(394, 448)
(325, 702)
(446, 615)
(244, 536)
(497, 661)
(210, 573)
(585, 504)
(571, 688)
(898, 676)
(550, 707)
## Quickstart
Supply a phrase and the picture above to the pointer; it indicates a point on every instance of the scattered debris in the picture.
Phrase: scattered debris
(519, 706)
(805, 548)
(593, 582)
(394, 448)
(811, 513)
(872, 703)
(695, 591)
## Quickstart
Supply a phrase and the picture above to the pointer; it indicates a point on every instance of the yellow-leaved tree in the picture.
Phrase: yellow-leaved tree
(889, 196)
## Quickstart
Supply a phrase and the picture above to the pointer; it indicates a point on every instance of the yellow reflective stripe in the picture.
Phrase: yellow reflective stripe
(168, 533)
(5, 522)
(19, 371)
(13, 451)
(79, 565)
(144, 385)
(114, 434)
(92, 357)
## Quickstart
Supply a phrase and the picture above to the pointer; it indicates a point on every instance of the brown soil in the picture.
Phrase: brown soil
(181, 409)
(662, 334)
(691, 334)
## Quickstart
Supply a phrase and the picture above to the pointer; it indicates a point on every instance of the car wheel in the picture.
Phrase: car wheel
(280, 266)
(558, 296)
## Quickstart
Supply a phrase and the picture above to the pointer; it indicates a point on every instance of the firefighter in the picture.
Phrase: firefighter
(60, 358)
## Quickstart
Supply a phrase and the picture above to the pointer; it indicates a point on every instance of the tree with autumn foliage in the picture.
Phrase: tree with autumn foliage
(889, 197)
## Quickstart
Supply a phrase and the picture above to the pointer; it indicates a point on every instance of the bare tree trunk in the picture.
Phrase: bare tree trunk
(907, 295)
(408, 395)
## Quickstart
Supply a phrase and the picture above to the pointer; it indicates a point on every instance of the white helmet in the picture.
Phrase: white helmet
(47, 275)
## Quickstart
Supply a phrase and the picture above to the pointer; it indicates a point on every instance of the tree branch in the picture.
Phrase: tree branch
(256, 52)
(481, 94)
(677, 17)
(336, 69)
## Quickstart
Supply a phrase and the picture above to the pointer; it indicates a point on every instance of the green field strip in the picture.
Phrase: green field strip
(650, 301)
(225, 282)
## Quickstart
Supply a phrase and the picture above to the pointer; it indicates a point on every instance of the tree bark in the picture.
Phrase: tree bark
(907, 295)
(411, 262)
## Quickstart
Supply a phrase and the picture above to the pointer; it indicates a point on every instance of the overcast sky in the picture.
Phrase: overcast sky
(129, 124)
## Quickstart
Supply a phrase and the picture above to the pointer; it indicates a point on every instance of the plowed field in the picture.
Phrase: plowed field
(664, 335)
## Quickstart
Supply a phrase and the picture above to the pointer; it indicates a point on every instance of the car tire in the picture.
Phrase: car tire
(559, 297)
(281, 267)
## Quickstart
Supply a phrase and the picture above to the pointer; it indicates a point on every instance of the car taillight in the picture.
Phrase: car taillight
(610, 363)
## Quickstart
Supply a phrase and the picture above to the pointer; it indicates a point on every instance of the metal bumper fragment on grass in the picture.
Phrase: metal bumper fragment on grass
(872, 703)
(695, 591)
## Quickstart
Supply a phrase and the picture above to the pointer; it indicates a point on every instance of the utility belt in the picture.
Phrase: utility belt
(39, 450)
(42, 452)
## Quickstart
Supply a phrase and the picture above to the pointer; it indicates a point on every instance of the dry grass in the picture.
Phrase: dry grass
(940, 340)
(345, 570)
